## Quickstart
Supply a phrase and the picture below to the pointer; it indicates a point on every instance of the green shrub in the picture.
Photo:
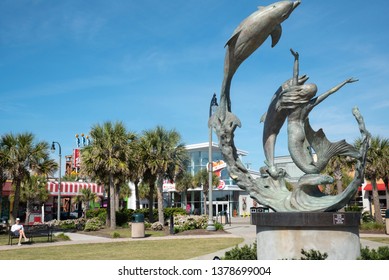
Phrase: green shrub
(382, 253)
(246, 252)
(147, 225)
(123, 216)
(100, 213)
(62, 236)
(115, 235)
(218, 226)
(372, 226)
(184, 222)
(313, 255)
(367, 217)
(169, 211)
(94, 224)
(353, 208)
(67, 225)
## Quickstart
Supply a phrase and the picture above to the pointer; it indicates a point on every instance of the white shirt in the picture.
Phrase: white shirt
(16, 227)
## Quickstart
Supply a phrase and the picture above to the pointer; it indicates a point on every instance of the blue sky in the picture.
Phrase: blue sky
(68, 65)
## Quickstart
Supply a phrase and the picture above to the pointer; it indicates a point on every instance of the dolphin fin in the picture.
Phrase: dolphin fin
(233, 39)
(276, 35)
(263, 118)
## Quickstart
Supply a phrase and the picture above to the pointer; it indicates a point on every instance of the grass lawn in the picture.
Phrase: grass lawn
(378, 239)
(169, 249)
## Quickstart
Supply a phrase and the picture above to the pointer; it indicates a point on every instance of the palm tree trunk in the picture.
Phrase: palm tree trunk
(205, 203)
(151, 201)
(184, 199)
(376, 203)
(15, 209)
(112, 203)
(161, 218)
(386, 182)
(137, 201)
(117, 203)
(28, 211)
(108, 219)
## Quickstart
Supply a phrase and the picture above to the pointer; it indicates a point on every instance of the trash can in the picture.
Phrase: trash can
(138, 225)
(387, 221)
(223, 217)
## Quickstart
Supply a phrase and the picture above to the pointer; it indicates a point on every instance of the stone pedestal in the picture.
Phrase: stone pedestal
(283, 235)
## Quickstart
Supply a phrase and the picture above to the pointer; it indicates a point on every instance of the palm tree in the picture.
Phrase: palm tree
(106, 160)
(376, 168)
(22, 156)
(385, 178)
(201, 179)
(33, 191)
(338, 167)
(85, 196)
(137, 167)
(164, 156)
(3, 175)
(184, 181)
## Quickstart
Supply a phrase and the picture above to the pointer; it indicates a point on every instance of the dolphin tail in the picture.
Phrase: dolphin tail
(229, 71)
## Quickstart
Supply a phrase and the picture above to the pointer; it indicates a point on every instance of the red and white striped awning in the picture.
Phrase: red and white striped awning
(369, 187)
(73, 188)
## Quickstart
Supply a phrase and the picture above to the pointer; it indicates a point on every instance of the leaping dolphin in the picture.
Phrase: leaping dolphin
(248, 36)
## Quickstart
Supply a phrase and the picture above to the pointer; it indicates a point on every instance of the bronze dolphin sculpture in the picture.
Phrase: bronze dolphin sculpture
(250, 35)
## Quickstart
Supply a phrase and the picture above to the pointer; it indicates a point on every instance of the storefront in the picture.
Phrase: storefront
(48, 210)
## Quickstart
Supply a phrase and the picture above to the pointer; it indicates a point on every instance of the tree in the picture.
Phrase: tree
(184, 181)
(338, 167)
(33, 191)
(106, 160)
(23, 156)
(137, 167)
(201, 179)
(3, 175)
(85, 196)
(376, 168)
(164, 156)
(385, 178)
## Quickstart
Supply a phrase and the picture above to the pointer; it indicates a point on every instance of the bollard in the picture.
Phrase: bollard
(171, 224)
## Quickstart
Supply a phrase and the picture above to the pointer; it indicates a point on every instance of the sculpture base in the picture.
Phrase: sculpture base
(283, 235)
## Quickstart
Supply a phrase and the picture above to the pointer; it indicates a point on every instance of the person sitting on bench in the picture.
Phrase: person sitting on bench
(18, 230)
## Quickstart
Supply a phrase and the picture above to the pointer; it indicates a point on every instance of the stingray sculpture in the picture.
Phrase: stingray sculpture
(270, 189)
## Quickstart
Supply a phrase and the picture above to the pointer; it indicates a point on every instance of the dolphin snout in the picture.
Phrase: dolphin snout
(296, 3)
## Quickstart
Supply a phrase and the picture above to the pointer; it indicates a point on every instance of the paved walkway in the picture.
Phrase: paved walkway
(239, 227)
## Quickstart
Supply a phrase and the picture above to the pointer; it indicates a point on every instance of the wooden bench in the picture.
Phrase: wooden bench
(31, 231)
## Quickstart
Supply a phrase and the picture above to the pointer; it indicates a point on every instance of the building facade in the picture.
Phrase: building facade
(227, 197)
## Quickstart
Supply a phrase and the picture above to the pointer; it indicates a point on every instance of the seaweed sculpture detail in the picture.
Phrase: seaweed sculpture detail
(292, 102)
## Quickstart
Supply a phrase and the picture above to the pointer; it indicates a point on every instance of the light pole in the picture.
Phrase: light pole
(59, 179)
(213, 105)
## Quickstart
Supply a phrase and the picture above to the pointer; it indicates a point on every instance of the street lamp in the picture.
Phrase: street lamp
(212, 107)
(59, 179)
